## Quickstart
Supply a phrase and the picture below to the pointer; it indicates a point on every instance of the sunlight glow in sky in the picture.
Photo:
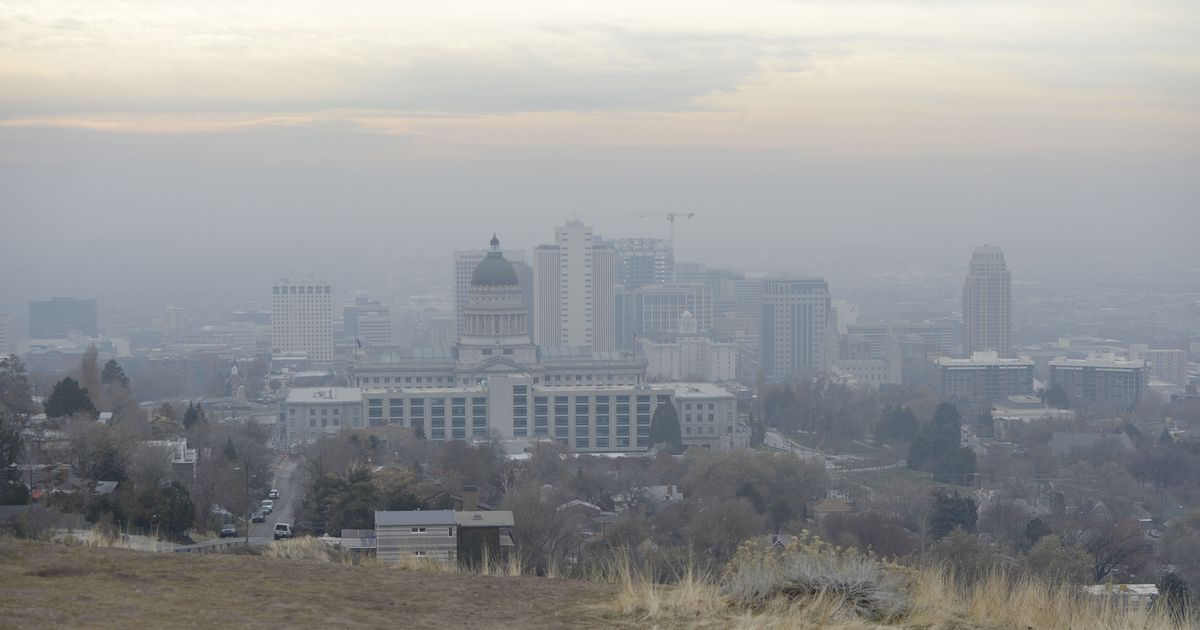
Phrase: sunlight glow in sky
(852, 76)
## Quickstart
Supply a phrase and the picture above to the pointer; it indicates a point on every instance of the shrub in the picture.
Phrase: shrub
(810, 569)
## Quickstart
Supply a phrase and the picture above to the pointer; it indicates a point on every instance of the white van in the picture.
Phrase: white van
(282, 530)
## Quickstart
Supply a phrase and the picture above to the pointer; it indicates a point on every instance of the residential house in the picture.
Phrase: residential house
(443, 536)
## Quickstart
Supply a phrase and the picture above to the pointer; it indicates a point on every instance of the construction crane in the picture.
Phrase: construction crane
(671, 216)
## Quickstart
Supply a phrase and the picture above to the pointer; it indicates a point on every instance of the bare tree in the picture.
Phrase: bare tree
(1113, 545)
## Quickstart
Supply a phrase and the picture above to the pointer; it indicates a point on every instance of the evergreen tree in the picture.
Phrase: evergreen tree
(936, 439)
(957, 467)
(899, 423)
(193, 416)
(1173, 593)
(949, 511)
(113, 375)
(1036, 529)
(68, 399)
(664, 428)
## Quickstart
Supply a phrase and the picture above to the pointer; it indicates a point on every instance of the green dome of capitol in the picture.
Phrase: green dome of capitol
(494, 270)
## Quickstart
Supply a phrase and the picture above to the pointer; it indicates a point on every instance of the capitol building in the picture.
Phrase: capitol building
(495, 340)
(495, 384)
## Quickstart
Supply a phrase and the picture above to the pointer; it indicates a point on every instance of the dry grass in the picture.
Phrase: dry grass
(304, 583)
(935, 600)
(53, 585)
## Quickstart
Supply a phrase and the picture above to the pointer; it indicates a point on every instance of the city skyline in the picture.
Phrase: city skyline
(833, 137)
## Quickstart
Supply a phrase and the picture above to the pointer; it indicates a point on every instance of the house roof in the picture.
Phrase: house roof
(832, 505)
(1066, 442)
(414, 517)
(496, 518)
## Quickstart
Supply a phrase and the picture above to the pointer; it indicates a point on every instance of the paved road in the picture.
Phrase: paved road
(287, 481)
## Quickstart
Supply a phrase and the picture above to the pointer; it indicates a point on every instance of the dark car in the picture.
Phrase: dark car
(258, 517)
(307, 528)
(228, 530)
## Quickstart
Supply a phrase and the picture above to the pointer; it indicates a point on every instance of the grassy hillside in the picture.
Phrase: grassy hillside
(300, 584)
(53, 585)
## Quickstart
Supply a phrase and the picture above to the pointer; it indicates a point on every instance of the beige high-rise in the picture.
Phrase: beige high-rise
(574, 294)
(987, 304)
(302, 319)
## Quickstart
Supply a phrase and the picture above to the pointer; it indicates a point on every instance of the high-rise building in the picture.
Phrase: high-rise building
(6, 334)
(1166, 365)
(655, 309)
(367, 322)
(173, 318)
(465, 262)
(574, 291)
(302, 319)
(987, 303)
(795, 330)
(642, 261)
(58, 317)
(1101, 379)
(985, 377)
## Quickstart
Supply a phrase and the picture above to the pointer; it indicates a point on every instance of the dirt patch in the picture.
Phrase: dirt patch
(56, 571)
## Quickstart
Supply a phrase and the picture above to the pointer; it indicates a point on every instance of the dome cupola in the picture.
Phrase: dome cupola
(494, 270)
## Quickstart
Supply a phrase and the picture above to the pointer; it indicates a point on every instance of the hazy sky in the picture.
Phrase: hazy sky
(231, 142)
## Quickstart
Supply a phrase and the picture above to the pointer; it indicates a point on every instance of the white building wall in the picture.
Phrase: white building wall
(604, 305)
(575, 279)
(547, 296)
(375, 330)
(302, 319)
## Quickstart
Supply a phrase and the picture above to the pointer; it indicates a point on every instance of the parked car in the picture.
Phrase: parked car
(282, 530)
(273, 494)
(268, 506)
(258, 517)
(228, 530)
(307, 528)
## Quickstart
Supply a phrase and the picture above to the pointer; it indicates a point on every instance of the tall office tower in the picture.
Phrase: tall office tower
(465, 262)
(368, 322)
(302, 319)
(795, 335)
(547, 296)
(6, 334)
(173, 318)
(844, 314)
(574, 291)
(642, 261)
(58, 317)
(987, 304)
(655, 310)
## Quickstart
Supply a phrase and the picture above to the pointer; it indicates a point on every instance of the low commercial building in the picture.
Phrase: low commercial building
(707, 415)
(690, 356)
(512, 408)
(985, 377)
(1015, 411)
(1100, 380)
(309, 412)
